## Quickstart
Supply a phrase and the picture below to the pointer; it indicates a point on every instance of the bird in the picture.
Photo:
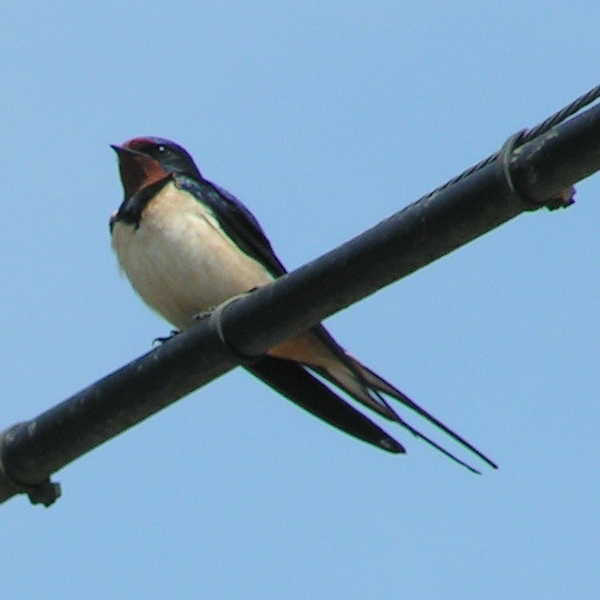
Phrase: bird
(187, 245)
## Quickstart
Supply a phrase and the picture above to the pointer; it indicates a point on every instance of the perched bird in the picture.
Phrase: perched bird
(187, 245)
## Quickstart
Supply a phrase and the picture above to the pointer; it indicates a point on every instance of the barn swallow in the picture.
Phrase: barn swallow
(187, 245)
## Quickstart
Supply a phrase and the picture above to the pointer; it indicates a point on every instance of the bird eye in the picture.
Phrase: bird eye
(161, 149)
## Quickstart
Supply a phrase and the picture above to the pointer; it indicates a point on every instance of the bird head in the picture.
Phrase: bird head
(146, 160)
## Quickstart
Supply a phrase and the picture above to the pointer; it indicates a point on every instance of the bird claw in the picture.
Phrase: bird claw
(204, 314)
(159, 341)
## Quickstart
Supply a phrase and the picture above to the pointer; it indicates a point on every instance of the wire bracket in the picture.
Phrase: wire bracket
(504, 160)
(45, 492)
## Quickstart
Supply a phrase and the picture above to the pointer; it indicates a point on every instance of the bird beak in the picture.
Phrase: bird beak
(121, 151)
(137, 170)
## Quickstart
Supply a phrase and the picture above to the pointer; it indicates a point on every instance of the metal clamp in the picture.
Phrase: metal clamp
(45, 492)
(503, 159)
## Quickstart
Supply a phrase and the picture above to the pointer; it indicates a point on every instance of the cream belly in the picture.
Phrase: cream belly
(180, 261)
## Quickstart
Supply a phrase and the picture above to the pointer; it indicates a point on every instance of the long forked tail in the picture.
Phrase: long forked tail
(379, 385)
(287, 366)
(368, 388)
(365, 386)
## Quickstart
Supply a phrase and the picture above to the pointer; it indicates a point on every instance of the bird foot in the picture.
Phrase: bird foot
(203, 314)
(159, 341)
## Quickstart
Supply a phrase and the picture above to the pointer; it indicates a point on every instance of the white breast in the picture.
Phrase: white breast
(180, 261)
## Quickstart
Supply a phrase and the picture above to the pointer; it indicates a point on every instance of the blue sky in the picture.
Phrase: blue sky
(324, 119)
